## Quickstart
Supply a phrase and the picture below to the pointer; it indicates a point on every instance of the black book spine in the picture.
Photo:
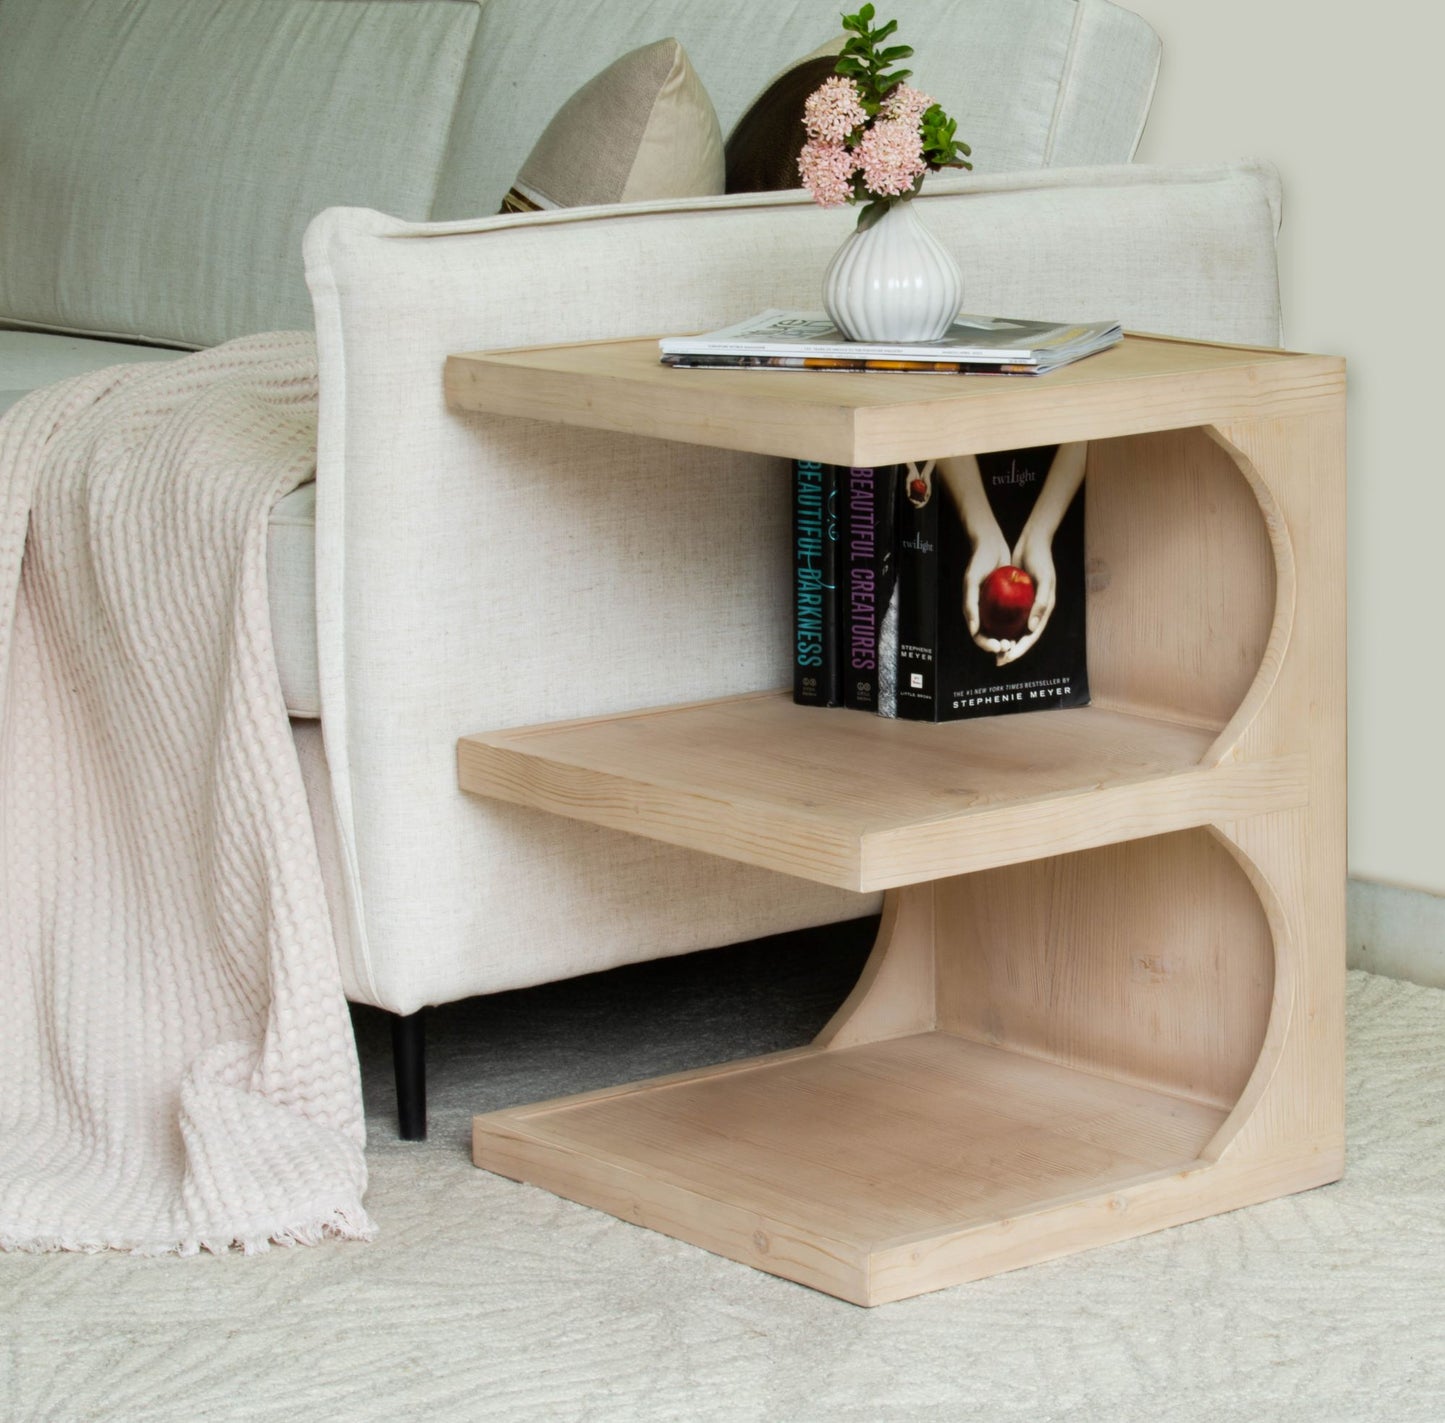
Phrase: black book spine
(865, 577)
(917, 661)
(816, 672)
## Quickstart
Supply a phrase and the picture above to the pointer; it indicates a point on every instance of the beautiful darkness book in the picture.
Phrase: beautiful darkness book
(816, 672)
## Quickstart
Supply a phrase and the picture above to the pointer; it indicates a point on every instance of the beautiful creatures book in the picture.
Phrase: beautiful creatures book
(987, 615)
(816, 672)
(867, 560)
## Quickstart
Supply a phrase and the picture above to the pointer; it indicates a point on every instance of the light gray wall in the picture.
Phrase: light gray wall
(1399, 932)
(1346, 100)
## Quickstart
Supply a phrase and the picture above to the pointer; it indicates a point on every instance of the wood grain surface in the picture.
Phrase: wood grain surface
(1108, 990)
(1145, 383)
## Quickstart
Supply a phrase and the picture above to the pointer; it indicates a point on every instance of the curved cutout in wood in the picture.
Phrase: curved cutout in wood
(1282, 1001)
(1282, 626)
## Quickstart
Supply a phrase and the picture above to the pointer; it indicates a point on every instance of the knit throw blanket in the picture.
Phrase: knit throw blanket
(177, 1070)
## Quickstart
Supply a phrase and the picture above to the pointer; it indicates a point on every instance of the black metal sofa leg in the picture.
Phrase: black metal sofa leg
(408, 1052)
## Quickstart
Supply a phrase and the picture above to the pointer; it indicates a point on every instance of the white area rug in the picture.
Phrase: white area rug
(482, 1299)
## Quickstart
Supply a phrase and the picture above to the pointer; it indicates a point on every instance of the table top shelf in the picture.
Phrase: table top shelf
(1145, 383)
(864, 802)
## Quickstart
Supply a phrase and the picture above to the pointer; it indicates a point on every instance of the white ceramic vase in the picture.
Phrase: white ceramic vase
(894, 281)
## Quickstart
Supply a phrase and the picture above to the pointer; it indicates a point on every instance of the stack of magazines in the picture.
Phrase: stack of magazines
(807, 341)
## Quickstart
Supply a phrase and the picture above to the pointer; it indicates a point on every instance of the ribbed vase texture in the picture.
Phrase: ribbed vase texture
(893, 282)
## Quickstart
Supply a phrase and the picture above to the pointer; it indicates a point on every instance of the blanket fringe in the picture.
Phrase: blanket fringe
(343, 1223)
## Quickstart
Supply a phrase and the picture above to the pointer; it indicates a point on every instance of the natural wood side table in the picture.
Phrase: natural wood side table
(1107, 995)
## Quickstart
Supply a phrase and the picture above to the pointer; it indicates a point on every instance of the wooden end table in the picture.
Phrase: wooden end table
(1108, 991)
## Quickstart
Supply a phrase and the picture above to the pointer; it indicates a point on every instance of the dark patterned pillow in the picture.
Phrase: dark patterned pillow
(761, 155)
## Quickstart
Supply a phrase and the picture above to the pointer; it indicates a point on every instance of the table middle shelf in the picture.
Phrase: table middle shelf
(866, 803)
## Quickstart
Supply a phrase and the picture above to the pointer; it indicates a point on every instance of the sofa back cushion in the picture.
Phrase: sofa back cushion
(160, 159)
(1033, 83)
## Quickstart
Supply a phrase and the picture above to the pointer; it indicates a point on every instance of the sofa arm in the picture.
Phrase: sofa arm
(477, 571)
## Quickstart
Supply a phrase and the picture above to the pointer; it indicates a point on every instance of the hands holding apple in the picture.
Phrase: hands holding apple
(990, 557)
(1034, 559)
(1008, 609)
(919, 485)
(1008, 594)
(1008, 597)
(1034, 551)
(1004, 602)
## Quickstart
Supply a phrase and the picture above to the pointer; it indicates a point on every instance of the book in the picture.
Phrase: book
(838, 363)
(915, 646)
(867, 558)
(1013, 639)
(972, 341)
(816, 672)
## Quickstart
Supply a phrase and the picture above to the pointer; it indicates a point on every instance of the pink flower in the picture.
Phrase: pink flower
(891, 157)
(906, 104)
(827, 172)
(833, 110)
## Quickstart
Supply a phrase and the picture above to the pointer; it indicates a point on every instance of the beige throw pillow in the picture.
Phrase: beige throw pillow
(643, 129)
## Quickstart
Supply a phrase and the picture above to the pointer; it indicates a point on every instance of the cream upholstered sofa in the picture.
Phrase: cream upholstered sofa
(161, 160)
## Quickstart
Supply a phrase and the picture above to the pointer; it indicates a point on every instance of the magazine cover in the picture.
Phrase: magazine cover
(867, 554)
(816, 679)
(990, 586)
(986, 340)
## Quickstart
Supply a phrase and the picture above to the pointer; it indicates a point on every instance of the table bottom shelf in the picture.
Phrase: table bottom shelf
(872, 1172)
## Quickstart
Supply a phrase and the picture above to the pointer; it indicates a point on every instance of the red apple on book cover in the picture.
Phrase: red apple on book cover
(1004, 601)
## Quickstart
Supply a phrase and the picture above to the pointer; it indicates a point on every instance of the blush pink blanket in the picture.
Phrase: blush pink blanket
(177, 1070)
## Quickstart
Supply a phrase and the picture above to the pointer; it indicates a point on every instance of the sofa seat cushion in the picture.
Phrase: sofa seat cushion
(30, 359)
(291, 584)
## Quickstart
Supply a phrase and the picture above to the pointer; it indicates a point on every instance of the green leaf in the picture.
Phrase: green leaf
(901, 51)
(885, 31)
(872, 212)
